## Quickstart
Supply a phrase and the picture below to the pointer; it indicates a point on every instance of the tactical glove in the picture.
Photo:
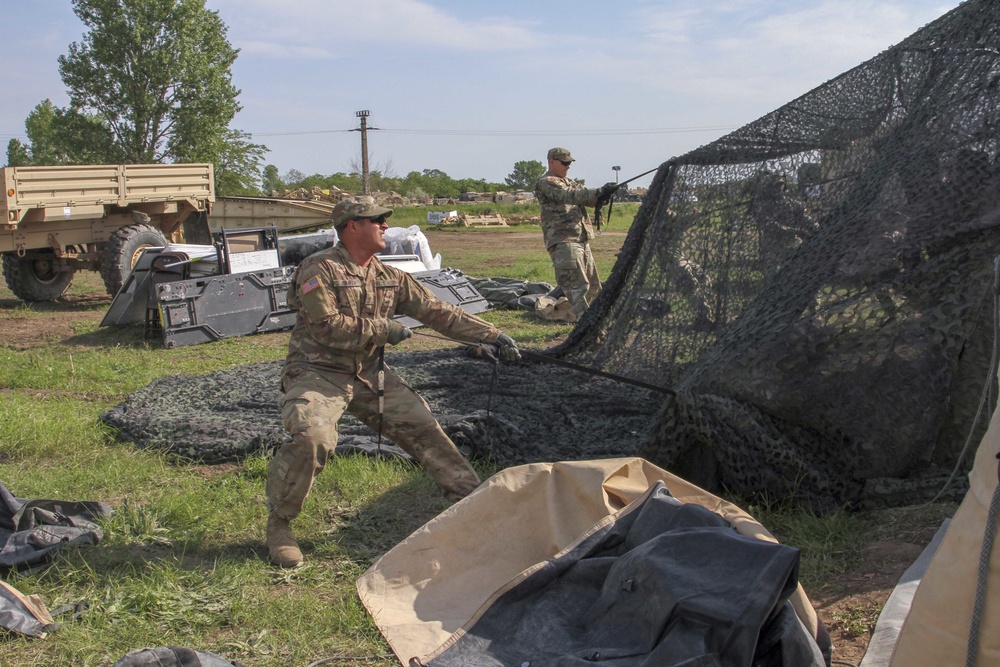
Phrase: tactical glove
(605, 192)
(397, 333)
(508, 348)
(484, 351)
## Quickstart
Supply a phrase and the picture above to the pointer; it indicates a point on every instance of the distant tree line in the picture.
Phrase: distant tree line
(432, 183)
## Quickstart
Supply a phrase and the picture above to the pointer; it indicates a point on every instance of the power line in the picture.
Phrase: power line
(291, 134)
(518, 133)
(489, 133)
(563, 132)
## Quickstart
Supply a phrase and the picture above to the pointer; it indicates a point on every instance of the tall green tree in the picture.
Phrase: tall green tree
(157, 73)
(293, 178)
(17, 153)
(270, 181)
(236, 159)
(62, 136)
(526, 173)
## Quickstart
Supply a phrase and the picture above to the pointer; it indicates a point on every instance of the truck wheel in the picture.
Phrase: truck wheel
(122, 252)
(36, 278)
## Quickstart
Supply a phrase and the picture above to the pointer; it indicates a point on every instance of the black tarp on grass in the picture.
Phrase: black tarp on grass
(666, 584)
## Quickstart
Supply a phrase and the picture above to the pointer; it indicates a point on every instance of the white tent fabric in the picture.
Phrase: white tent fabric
(936, 631)
(424, 591)
(411, 241)
(896, 608)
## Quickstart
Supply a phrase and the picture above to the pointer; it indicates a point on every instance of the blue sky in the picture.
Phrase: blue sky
(470, 87)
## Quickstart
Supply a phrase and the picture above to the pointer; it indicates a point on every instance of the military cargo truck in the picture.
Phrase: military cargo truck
(56, 220)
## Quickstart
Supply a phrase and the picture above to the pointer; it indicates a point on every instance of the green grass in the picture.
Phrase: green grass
(518, 251)
(182, 562)
(830, 544)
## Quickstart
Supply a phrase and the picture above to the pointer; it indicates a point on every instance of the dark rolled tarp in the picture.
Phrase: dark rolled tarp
(613, 561)
(172, 656)
(511, 292)
(666, 584)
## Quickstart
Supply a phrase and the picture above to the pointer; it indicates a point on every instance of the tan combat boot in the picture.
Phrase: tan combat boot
(282, 548)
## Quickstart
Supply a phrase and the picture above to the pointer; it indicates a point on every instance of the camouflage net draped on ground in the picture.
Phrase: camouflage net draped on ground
(818, 284)
(532, 413)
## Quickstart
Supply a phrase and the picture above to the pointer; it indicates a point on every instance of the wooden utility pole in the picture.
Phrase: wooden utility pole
(365, 181)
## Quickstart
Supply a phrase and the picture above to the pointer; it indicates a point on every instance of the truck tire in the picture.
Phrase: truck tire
(122, 252)
(36, 278)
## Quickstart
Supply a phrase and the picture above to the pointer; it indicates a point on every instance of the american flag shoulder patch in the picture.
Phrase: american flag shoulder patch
(310, 285)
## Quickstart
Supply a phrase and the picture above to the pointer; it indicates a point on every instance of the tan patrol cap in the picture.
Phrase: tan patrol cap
(561, 154)
(349, 209)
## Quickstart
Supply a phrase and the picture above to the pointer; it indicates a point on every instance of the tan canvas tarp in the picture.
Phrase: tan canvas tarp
(936, 631)
(435, 583)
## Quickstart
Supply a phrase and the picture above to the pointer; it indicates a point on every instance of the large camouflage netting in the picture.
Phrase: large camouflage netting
(817, 285)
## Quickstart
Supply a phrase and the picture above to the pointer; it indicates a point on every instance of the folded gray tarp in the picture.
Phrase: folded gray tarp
(24, 614)
(31, 529)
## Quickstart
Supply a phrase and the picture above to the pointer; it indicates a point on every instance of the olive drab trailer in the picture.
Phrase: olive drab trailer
(235, 213)
(56, 220)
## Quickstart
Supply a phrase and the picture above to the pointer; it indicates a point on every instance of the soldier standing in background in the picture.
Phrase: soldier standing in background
(567, 230)
(345, 299)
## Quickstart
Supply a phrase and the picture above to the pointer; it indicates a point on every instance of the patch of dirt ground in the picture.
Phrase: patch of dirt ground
(26, 326)
(848, 604)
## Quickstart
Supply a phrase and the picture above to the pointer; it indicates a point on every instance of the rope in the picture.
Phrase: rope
(381, 401)
(494, 383)
(593, 371)
(528, 354)
(981, 580)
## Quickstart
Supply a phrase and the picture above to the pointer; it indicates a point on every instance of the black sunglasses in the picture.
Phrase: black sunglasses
(380, 220)
(566, 164)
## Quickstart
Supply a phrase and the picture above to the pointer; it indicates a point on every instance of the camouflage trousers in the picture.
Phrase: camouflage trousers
(576, 274)
(314, 403)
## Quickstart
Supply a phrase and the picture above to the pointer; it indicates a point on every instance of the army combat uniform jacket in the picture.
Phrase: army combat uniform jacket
(343, 312)
(563, 216)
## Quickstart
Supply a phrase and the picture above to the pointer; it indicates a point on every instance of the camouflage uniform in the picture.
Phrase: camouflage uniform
(343, 315)
(567, 232)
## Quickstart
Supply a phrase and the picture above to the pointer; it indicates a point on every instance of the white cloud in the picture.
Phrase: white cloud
(285, 51)
(371, 25)
(749, 52)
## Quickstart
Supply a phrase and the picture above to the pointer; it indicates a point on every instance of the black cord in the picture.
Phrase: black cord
(381, 401)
